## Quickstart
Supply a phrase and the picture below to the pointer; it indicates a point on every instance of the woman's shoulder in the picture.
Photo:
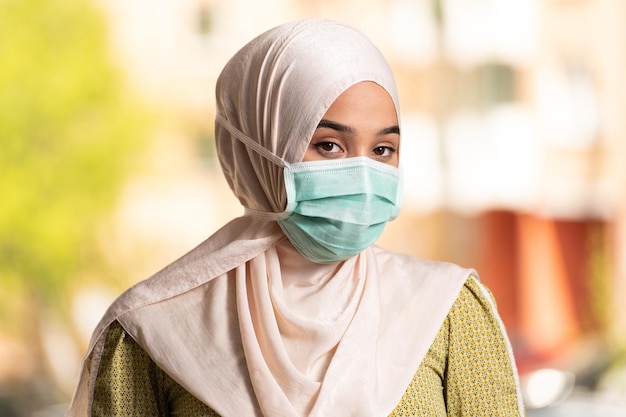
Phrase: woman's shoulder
(422, 287)
(475, 311)
(473, 296)
(117, 341)
(415, 268)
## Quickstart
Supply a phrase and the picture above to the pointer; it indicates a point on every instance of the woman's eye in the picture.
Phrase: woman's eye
(329, 147)
(383, 151)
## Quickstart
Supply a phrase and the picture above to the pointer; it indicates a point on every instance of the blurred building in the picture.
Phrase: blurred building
(512, 123)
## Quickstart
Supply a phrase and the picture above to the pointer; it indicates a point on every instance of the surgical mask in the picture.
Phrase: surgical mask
(337, 208)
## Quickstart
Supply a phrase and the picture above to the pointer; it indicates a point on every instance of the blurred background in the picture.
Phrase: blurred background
(514, 149)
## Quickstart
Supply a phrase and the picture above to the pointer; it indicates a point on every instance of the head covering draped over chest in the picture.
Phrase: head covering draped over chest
(243, 322)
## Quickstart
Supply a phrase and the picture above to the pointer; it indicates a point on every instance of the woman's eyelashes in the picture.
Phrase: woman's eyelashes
(331, 149)
(384, 151)
(328, 148)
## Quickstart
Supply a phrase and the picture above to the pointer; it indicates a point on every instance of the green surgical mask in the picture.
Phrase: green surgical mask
(337, 208)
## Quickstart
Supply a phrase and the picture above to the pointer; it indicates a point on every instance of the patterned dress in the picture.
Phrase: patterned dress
(468, 371)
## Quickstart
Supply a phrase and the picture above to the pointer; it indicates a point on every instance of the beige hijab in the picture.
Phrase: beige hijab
(243, 321)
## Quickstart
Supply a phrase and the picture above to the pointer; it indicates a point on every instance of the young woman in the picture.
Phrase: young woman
(290, 310)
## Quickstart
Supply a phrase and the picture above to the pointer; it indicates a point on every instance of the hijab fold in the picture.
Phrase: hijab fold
(245, 323)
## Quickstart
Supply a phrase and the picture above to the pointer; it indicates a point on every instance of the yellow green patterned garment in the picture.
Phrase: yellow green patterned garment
(466, 372)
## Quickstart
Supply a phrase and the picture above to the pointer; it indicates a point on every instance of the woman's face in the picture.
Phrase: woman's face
(362, 121)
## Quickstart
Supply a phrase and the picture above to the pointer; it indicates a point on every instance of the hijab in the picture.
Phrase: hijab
(243, 321)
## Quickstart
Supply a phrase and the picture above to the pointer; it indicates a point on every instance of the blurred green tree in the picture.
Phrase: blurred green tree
(68, 129)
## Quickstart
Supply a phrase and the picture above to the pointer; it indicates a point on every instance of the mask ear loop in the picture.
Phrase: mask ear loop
(255, 146)
(249, 142)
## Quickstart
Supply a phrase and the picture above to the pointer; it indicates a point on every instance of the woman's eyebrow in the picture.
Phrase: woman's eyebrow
(389, 130)
(347, 129)
(335, 126)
